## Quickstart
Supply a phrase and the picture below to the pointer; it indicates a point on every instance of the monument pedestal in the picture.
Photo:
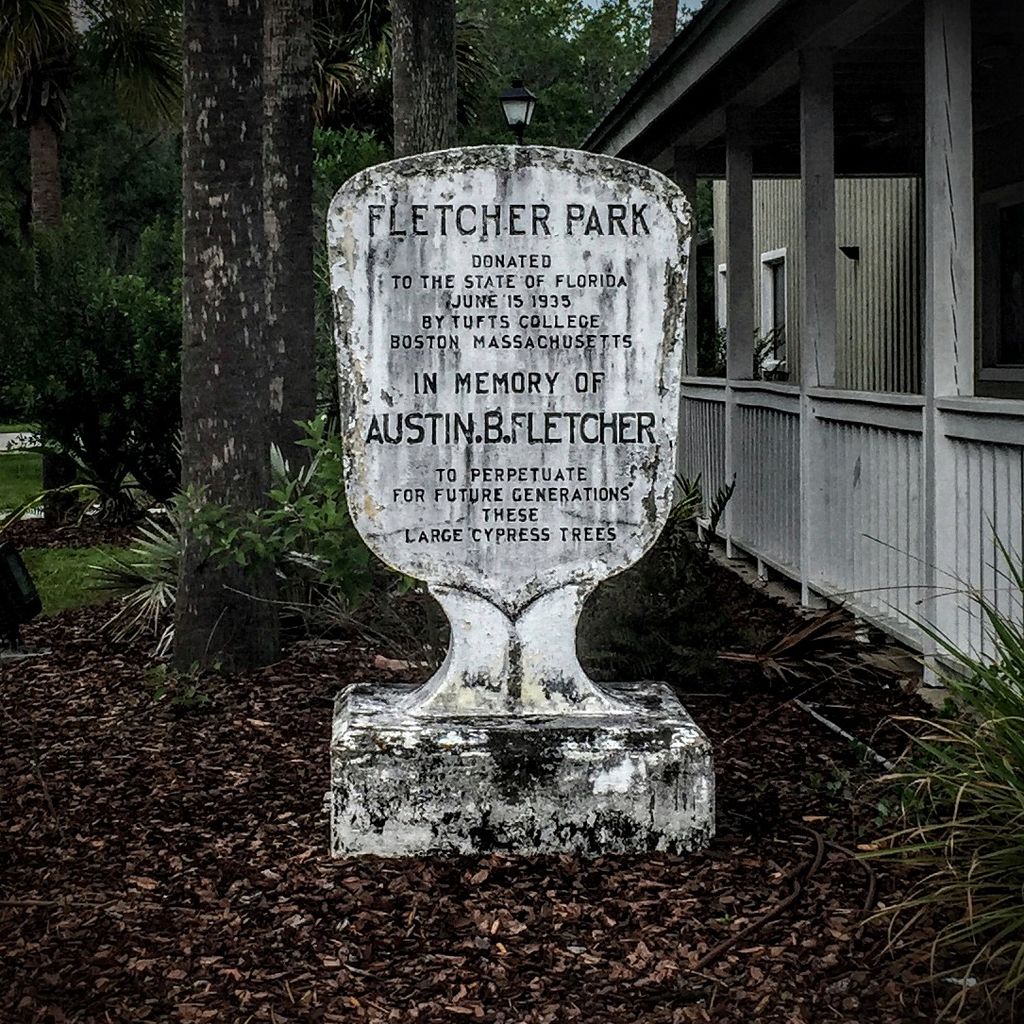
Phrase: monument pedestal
(404, 784)
(512, 460)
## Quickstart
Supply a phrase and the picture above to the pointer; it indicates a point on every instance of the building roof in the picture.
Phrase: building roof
(715, 28)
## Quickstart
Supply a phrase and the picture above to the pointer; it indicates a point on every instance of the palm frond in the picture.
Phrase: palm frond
(138, 46)
(32, 32)
(963, 803)
(146, 580)
(37, 43)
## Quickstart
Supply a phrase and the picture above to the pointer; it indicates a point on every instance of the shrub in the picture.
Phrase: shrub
(963, 806)
(664, 617)
(337, 156)
(305, 533)
(94, 356)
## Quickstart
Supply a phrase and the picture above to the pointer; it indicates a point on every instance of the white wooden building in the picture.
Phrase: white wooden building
(883, 142)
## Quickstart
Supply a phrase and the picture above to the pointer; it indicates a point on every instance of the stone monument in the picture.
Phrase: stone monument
(510, 337)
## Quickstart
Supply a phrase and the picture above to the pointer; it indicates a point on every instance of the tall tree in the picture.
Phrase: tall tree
(288, 216)
(224, 614)
(131, 41)
(576, 56)
(664, 14)
(423, 62)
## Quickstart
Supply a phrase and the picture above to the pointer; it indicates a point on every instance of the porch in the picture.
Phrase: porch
(878, 452)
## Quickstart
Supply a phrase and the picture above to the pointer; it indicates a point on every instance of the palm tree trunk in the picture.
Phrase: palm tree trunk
(423, 74)
(663, 26)
(44, 169)
(288, 217)
(44, 157)
(224, 614)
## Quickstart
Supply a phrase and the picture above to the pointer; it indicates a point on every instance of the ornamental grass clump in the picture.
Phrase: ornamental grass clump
(963, 808)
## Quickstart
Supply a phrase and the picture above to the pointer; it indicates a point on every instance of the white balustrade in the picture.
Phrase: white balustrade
(869, 547)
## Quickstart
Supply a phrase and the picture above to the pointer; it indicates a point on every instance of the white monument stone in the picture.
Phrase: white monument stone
(510, 335)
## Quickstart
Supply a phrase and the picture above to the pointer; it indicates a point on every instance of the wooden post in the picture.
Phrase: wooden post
(948, 357)
(739, 287)
(685, 174)
(818, 179)
(818, 299)
(949, 200)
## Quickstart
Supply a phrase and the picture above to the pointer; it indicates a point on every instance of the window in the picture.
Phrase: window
(1002, 284)
(722, 297)
(770, 356)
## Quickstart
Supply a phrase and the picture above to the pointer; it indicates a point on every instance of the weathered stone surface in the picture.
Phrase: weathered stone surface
(510, 338)
(584, 784)
(510, 341)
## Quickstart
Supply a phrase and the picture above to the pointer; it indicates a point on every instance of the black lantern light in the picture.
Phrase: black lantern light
(19, 599)
(517, 105)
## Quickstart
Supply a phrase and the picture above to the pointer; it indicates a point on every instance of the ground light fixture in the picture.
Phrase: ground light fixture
(19, 599)
(517, 105)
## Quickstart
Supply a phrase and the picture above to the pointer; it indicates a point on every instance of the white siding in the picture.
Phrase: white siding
(877, 295)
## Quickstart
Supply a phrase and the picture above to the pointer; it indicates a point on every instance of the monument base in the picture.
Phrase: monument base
(405, 784)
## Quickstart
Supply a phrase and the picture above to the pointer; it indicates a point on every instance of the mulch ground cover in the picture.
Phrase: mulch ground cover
(167, 862)
(84, 533)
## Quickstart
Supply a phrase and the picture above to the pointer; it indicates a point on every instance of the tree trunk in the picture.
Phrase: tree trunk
(44, 168)
(663, 26)
(224, 614)
(44, 156)
(423, 74)
(288, 217)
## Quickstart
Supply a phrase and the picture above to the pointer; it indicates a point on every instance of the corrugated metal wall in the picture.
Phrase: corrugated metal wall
(877, 294)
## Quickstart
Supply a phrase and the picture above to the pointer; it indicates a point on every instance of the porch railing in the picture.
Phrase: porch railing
(864, 502)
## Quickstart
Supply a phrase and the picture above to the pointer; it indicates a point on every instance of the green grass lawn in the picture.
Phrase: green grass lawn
(21, 477)
(64, 577)
(16, 428)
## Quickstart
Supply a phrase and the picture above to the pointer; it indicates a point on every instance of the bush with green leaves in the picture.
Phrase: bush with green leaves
(93, 354)
(305, 532)
(324, 570)
(962, 790)
(663, 618)
(337, 155)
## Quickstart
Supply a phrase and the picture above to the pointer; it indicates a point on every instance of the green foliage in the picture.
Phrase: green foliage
(94, 354)
(21, 477)
(577, 58)
(128, 173)
(145, 578)
(132, 42)
(337, 156)
(963, 803)
(352, 65)
(68, 577)
(664, 618)
(711, 352)
(179, 690)
(305, 534)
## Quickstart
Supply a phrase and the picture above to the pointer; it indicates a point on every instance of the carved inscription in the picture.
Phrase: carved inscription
(510, 338)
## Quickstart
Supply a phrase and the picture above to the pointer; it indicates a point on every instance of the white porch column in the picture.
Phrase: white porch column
(949, 199)
(948, 330)
(739, 288)
(685, 174)
(739, 284)
(817, 361)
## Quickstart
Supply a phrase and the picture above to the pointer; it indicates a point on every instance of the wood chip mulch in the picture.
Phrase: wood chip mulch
(87, 533)
(158, 864)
